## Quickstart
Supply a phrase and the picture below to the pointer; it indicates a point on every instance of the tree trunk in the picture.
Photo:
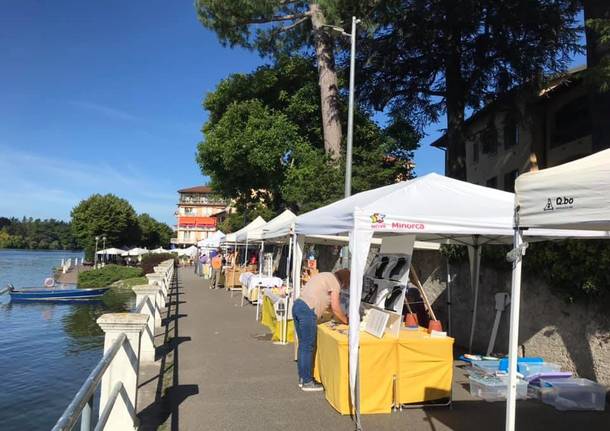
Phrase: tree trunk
(327, 78)
(599, 102)
(454, 99)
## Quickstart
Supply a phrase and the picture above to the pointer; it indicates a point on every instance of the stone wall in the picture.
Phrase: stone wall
(577, 336)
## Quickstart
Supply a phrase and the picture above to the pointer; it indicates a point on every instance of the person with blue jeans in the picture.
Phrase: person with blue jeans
(321, 292)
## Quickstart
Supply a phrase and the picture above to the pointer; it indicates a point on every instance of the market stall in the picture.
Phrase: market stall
(276, 315)
(232, 273)
(575, 195)
(431, 208)
(213, 241)
(413, 368)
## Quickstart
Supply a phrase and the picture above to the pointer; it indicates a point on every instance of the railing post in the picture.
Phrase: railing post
(158, 279)
(147, 295)
(85, 416)
(124, 368)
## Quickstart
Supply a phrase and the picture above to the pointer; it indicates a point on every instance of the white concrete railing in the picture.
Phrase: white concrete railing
(129, 341)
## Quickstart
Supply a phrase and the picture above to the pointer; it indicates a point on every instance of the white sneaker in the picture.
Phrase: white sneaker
(312, 387)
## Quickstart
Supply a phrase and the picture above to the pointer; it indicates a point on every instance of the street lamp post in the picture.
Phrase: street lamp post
(97, 238)
(350, 109)
(104, 242)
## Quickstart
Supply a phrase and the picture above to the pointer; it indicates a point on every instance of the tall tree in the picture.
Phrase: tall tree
(153, 234)
(425, 58)
(106, 215)
(597, 18)
(273, 26)
(263, 143)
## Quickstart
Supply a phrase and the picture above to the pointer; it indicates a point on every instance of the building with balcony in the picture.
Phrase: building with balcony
(550, 127)
(196, 216)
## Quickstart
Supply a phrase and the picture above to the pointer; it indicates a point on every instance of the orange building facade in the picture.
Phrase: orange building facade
(196, 214)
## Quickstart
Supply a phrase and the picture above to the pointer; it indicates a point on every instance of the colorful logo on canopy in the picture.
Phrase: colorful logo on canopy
(377, 218)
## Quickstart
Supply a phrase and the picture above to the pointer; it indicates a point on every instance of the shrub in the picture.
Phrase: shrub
(107, 275)
(149, 261)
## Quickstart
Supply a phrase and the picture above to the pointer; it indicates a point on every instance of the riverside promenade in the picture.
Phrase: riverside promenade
(217, 369)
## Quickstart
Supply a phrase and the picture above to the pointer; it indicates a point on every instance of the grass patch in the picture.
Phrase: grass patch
(128, 283)
(107, 275)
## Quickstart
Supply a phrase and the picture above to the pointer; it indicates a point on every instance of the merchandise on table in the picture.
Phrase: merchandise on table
(573, 394)
(493, 388)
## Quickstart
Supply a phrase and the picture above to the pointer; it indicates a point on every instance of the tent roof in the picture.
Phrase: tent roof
(574, 195)
(254, 224)
(213, 240)
(287, 217)
(137, 251)
(111, 251)
(433, 207)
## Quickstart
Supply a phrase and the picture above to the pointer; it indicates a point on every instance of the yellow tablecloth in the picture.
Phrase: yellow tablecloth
(425, 367)
(377, 370)
(422, 365)
(269, 319)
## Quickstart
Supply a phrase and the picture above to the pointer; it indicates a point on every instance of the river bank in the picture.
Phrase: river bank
(48, 349)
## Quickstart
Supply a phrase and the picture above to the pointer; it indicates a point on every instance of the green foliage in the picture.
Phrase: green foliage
(246, 152)
(242, 217)
(150, 260)
(419, 54)
(153, 234)
(573, 268)
(250, 23)
(36, 234)
(131, 282)
(104, 277)
(106, 215)
(263, 143)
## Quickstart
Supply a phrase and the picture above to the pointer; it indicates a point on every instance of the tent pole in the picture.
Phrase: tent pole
(288, 259)
(448, 298)
(261, 253)
(475, 283)
(246, 252)
(513, 341)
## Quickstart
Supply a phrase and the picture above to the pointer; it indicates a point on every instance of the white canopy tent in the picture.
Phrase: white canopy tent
(213, 241)
(575, 195)
(134, 252)
(111, 251)
(160, 250)
(433, 208)
(257, 223)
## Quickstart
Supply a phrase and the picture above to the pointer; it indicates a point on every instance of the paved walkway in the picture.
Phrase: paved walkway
(221, 372)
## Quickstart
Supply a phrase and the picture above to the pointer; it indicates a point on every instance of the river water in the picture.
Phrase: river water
(46, 350)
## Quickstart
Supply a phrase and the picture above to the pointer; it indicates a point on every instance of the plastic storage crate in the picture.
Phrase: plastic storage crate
(531, 369)
(494, 388)
(573, 394)
(489, 367)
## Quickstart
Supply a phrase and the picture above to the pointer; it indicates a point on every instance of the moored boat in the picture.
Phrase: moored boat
(55, 294)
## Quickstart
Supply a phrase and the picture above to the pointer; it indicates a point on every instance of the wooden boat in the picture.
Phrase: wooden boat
(55, 294)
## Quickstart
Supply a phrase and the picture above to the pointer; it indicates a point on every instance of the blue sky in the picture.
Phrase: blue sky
(106, 98)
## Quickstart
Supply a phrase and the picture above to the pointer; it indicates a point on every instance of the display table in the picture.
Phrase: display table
(253, 283)
(231, 277)
(425, 367)
(422, 366)
(377, 370)
(270, 320)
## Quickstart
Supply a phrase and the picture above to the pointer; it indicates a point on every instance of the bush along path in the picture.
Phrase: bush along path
(104, 277)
